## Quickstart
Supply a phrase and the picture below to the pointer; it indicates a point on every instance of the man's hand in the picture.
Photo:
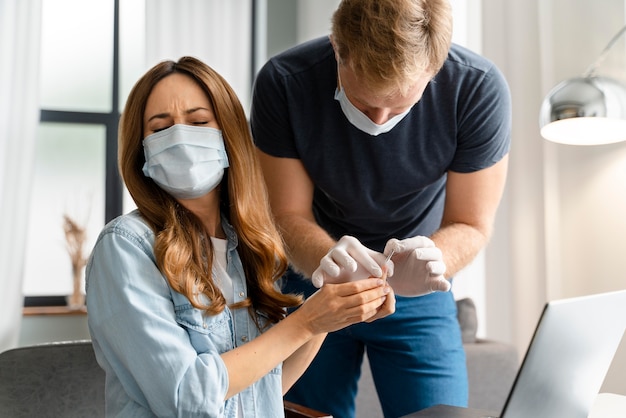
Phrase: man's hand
(418, 267)
(347, 261)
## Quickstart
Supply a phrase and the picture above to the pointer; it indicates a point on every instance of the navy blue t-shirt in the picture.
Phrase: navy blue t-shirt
(391, 185)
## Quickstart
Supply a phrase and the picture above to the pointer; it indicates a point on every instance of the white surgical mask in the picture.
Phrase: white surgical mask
(186, 161)
(359, 120)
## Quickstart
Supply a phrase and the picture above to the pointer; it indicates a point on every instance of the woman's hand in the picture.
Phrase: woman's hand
(335, 306)
(389, 306)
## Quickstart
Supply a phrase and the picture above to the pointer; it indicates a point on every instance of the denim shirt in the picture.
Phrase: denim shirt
(160, 354)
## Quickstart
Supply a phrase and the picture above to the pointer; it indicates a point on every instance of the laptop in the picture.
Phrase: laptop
(565, 364)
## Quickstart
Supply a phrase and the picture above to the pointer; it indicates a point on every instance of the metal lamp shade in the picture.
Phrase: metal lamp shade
(585, 111)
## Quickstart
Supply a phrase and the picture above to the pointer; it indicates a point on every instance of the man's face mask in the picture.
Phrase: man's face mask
(186, 161)
(359, 120)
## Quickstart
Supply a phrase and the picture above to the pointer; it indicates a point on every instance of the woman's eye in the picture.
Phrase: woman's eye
(159, 129)
(201, 122)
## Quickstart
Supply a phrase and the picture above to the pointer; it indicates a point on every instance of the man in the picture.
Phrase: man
(371, 140)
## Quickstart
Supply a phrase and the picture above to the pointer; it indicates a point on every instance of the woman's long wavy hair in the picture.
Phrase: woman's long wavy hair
(183, 250)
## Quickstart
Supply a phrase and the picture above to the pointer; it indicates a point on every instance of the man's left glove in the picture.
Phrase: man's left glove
(418, 267)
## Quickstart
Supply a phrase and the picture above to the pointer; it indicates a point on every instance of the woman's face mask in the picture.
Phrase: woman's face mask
(186, 161)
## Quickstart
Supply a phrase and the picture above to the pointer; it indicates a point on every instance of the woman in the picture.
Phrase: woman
(184, 311)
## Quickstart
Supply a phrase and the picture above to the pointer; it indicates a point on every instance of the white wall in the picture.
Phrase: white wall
(314, 18)
(590, 181)
(561, 229)
(589, 184)
(38, 329)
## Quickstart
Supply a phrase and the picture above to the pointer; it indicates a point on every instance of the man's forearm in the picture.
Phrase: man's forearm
(459, 243)
(306, 242)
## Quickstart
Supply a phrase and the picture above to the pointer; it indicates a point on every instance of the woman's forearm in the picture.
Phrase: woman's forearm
(248, 363)
(296, 364)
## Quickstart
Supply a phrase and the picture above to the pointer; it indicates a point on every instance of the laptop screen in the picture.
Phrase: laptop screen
(568, 357)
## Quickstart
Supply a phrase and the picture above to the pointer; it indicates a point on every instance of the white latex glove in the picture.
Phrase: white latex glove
(348, 261)
(418, 267)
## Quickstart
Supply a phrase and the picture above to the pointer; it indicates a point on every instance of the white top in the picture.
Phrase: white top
(220, 275)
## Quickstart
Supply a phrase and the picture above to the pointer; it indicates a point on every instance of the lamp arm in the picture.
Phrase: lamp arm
(592, 68)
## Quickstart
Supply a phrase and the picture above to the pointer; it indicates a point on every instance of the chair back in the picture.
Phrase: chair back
(51, 380)
(64, 380)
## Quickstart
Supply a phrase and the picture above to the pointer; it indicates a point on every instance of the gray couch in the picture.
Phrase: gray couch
(491, 368)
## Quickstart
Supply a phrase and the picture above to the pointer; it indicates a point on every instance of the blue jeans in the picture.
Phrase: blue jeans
(416, 357)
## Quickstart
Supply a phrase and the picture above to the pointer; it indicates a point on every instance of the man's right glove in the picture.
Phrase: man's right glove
(418, 267)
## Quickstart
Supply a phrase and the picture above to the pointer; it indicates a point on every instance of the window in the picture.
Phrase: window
(89, 60)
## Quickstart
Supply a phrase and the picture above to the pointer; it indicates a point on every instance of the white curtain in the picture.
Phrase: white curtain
(217, 32)
(20, 23)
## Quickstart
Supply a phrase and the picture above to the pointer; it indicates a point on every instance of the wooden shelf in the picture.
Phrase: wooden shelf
(53, 310)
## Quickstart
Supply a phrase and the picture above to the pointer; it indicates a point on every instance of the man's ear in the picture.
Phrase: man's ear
(332, 42)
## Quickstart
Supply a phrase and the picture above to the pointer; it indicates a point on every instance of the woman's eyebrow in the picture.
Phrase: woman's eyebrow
(195, 109)
(158, 116)
(187, 112)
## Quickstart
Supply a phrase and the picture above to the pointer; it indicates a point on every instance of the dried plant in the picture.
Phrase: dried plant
(75, 236)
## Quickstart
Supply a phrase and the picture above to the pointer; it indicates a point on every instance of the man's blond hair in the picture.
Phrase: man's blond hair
(389, 44)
